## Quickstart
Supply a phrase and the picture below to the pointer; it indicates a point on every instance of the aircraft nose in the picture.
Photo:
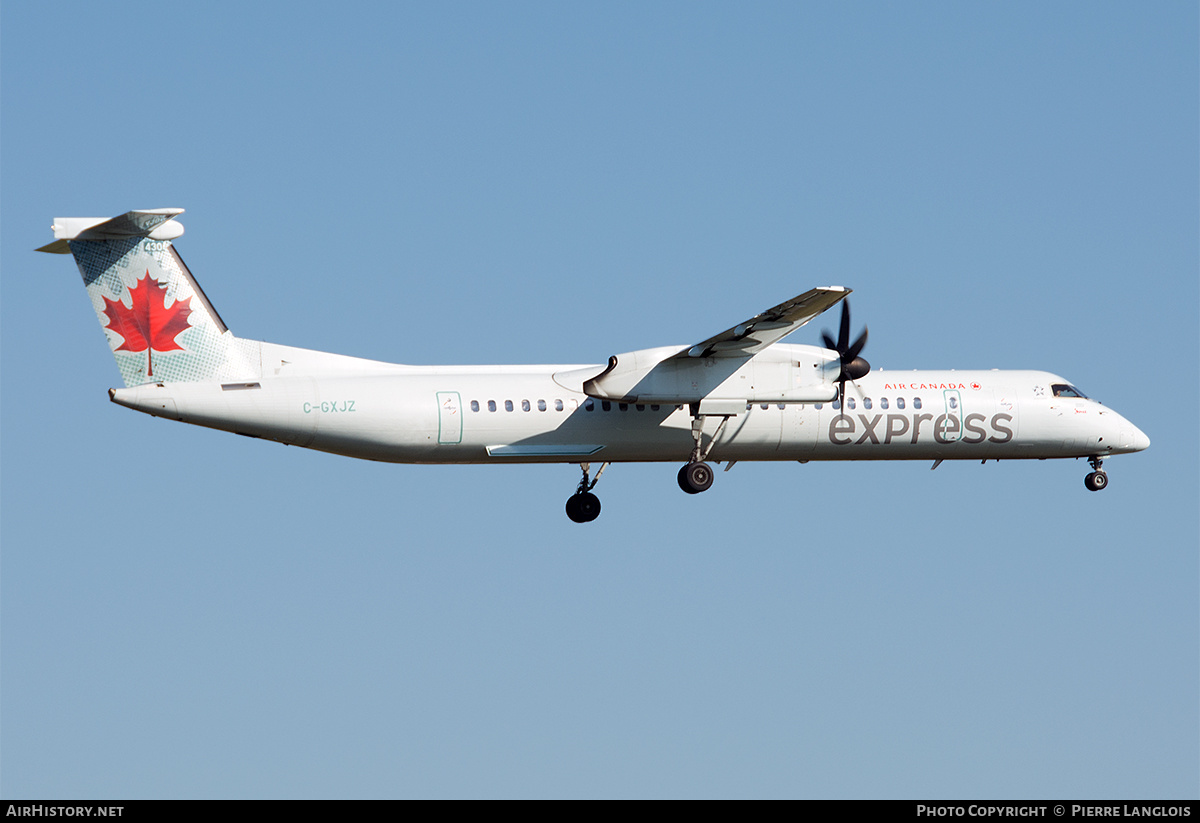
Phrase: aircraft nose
(1140, 440)
(1133, 438)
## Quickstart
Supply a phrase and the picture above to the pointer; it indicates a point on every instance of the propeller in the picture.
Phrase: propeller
(853, 366)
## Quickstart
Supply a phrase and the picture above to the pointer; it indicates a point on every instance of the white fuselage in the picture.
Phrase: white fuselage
(540, 414)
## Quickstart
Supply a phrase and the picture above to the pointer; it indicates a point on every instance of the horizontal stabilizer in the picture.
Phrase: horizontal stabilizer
(157, 224)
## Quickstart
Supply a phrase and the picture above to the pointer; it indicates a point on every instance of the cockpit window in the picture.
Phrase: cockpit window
(1063, 390)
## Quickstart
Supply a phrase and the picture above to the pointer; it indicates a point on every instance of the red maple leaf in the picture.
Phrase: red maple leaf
(148, 324)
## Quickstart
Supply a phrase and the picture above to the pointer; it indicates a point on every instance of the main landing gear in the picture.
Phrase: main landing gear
(583, 506)
(1097, 480)
(697, 476)
(694, 477)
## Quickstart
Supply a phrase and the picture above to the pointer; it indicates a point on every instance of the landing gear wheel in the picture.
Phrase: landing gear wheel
(695, 477)
(583, 507)
(1096, 481)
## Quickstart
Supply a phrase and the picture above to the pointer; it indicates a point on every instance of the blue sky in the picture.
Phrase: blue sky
(1004, 185)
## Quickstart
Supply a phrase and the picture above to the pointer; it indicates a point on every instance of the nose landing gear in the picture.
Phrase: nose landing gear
(1096, 480)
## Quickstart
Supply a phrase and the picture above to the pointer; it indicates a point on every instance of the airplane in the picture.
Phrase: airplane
(740, 395)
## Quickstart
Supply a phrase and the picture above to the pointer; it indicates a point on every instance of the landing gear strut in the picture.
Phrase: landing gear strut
(583, 506)
(697, 476)
(1097, 480)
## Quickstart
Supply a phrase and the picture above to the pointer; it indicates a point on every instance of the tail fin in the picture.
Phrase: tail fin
(159, 324)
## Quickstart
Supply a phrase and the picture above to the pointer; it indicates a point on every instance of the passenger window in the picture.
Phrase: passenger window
(866, 402)
(508, 406)
(954, 402)
(524, 405)
(654, 407)
(883, 403)
(606, 405)
(781, 406)
(541, 405)
(474, 405)
(641, 407)
(850, 403)
(491, 405)
(818, 406)
(764, 406)
(589, 404)
(623, 406)
(916, 402)
(837, 404)
(899, 402)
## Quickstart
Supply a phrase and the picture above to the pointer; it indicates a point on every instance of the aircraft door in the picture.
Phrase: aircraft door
(449, 418)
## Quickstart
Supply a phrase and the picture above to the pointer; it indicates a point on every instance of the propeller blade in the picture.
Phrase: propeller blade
(854, 350)
(852, 366)
(844, 330)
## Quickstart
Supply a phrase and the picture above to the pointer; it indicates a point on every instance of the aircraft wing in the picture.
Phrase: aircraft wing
(752, 336)
(695, 373)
